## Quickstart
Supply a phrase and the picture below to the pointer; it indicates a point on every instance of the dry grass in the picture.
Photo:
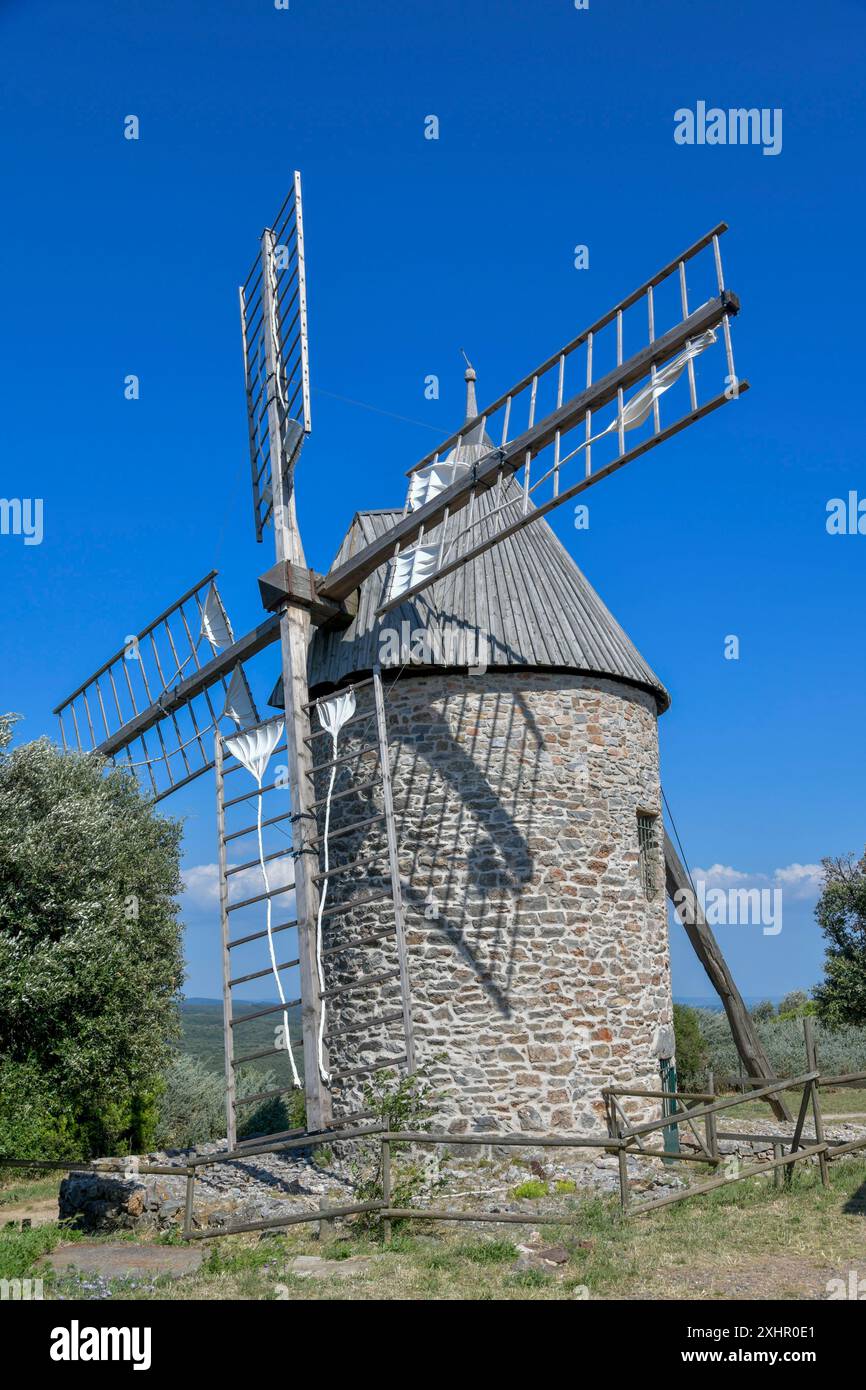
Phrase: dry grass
(842, 1101)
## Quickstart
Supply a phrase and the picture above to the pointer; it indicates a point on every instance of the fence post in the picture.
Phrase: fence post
(778, 1178)
(190, 1198)
(812, 1064)
(710, 1120)
(670, 1133)
(386, 1188)
(622, 1163)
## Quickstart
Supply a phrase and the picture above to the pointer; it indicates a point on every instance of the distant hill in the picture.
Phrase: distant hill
(202, 1034)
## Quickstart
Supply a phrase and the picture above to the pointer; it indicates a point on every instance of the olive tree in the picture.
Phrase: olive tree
(841, 915)
(90, 950)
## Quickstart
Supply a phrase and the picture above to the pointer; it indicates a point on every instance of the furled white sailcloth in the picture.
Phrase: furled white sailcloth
(253, 749)
(215, 626)
(333, 714)
(413, 567)
(636, 410)
(427, 483)
(239, 705)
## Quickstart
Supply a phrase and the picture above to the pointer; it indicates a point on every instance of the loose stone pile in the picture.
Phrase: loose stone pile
(271, 1185)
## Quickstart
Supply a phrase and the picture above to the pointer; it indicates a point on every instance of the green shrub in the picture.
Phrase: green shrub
(192, 1106)
(839, 1049)
(691, 1051)
(797, 1004)
(841, 915)
(398, 1103)
(33, 1120)
(763, 1012)
(271, 1116)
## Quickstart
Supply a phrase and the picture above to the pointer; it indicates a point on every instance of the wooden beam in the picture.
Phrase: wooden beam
(225, 953)
(287, 583)
(751, 1171)
(708, 952)
(348, 576)
(294, 629)
(538, 513)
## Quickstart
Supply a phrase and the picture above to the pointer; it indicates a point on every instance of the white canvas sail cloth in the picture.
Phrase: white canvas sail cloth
(253, 749)
(427, 483)
(240, 706)
(636, 411)
(413, 567)
(215, 625)
(333, 714)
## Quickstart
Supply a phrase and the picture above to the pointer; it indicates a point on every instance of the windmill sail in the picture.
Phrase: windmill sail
(545, 428)
(153, 706)
(273, 302)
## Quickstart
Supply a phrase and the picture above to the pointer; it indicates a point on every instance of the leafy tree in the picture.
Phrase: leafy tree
(691, 1052)
(90, 949)
(796, 1005)
(841, 915)
(763, 1012)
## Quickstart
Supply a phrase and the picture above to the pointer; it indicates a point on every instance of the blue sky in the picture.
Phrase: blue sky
(556, 128)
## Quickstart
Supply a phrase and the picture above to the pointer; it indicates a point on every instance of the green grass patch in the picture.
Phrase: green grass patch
(19, 1250)
(533, 1187)
(24, 1189)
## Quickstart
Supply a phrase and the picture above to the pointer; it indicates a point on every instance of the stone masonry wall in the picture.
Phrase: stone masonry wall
(539, 969)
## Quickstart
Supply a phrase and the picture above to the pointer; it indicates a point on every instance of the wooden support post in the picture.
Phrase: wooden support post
(386, 1188)
(190, 1200)
(624, 1195)
(622, 1163)
(812, 1065)
(294, 643)
(798, 1131)
(228, 1040)
(707, 950)
(777, 1171)
(710, 1120)
(327, 1228)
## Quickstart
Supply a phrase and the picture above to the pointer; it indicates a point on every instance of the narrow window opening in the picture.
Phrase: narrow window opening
(649, 857)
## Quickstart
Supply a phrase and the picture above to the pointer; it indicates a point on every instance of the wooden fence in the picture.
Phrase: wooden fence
(696, 1112)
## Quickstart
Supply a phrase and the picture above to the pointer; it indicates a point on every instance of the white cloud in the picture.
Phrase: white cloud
(801, 881)
(201, 882)
(720, 876)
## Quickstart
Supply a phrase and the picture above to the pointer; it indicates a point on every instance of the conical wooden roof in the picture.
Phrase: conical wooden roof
(525, 597)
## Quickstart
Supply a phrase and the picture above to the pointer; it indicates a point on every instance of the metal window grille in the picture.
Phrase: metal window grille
(648, 845)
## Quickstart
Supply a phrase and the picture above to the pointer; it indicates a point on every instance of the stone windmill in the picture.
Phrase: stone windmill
(466, 827)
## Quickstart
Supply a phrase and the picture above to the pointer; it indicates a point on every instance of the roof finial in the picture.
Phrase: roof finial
(469, 378)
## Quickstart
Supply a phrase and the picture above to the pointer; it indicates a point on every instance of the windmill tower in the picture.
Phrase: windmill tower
(463, 846)
(527, 807)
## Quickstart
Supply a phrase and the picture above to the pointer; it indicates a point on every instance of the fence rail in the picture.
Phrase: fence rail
(623, 1139)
